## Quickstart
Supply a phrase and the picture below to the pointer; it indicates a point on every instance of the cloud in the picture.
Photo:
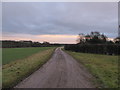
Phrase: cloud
(60, 18)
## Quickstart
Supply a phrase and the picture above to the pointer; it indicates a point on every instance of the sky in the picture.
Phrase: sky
(59, 22)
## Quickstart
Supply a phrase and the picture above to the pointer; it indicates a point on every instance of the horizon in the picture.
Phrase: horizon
(109, 39)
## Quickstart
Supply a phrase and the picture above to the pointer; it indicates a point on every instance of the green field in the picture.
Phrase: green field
(21, 67)
(103, 67)
(11, 54)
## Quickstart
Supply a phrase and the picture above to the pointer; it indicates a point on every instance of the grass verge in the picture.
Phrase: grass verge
(16, 71)
(103, 67)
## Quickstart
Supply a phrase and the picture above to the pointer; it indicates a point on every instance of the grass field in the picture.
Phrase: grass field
(103, 67)
(11, 54)
(17, 70)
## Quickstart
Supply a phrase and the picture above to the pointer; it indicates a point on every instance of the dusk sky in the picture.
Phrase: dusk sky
(58, 22)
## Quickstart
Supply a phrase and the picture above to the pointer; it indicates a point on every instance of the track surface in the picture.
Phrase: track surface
(61, 71)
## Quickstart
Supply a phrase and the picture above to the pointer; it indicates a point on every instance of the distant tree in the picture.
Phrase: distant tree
(92, 38)
(117, 40)
(45, 42)
(22, 43)
(81, 38)
(109, 42)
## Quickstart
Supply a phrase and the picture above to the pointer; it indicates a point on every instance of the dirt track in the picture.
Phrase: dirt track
(61, 71)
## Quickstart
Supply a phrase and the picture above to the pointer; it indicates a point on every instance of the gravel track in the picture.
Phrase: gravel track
(61, 71)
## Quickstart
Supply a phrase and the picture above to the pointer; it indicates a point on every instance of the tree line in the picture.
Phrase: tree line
(97, 43)
(18, 44)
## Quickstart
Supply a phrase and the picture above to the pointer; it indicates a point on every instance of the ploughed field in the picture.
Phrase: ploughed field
(12, 54)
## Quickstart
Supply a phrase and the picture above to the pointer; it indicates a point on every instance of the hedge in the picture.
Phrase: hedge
(110, 49)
